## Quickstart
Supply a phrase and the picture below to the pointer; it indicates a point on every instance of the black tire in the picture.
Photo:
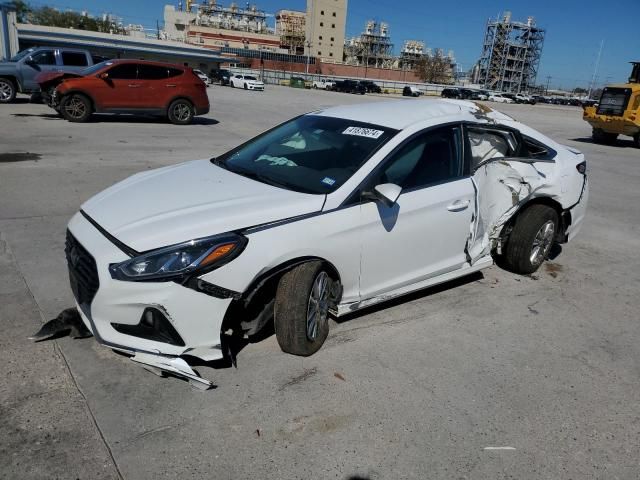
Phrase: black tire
(36, 97)
(636, 140)
(529, 230)
(180, 112)
(76, 108)
(291, 310)
(245, 87)
(7, 90)
(600, 136)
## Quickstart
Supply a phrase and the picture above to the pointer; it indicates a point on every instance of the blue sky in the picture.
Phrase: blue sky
(575, 28)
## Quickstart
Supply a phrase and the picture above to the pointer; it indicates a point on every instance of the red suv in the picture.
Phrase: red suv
(130, 86)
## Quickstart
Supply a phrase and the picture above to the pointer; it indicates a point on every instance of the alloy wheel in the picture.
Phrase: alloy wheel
(318, 306)
(6, 90)
(542, 243)
(75, 107)
(181, 111)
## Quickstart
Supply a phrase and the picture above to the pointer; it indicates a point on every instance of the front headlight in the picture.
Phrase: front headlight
(179, 261)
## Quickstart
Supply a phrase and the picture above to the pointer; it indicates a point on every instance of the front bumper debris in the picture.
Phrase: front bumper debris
(161, 365)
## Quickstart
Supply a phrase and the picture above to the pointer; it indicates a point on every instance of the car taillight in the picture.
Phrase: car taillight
(582, 167)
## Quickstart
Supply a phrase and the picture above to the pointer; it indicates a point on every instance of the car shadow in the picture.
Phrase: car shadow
(619, 142)
(123, 118)
(410, 297)
(47, 116)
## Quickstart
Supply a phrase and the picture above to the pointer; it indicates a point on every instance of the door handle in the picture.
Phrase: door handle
(458, 206)
(133, 85)
(170, 85)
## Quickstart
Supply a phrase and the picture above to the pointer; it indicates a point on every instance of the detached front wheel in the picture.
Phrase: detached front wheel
(76, 108)
(531, 239)
(301, 309)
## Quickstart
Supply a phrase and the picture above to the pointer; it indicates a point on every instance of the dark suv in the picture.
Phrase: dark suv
(349, 86)
(370, 87)
(450, 93)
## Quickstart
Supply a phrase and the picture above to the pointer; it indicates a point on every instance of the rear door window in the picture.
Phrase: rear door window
(124, 71)
(74, 59)
(152, 72)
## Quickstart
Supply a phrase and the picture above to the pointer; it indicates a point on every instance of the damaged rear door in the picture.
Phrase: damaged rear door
(507, 171)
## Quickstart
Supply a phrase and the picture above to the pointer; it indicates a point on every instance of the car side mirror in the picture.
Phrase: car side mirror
(29, 61)
(104, 76)
(387, 193)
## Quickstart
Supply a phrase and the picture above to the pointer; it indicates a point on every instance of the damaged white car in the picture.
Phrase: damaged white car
(323, 215)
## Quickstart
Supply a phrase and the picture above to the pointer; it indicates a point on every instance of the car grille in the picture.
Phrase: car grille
(83, 273)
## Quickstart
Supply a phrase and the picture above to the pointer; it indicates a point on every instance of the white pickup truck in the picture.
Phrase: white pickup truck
(324, 84)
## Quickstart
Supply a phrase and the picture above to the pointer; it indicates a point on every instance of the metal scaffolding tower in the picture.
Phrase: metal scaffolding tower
(290, 26)
(511, 54)
(373, 48)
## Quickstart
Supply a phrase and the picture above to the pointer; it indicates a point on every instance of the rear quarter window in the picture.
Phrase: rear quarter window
(174, 72)
(74, 59)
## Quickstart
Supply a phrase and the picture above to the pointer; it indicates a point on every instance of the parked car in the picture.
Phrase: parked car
(18, 74)
(248, 82)
(349, 86)
(202, 76)
(323, 215)
(479, 95)
(370, 87)
(411, 91)
(324, 84)
(222, 76)
(500, 98)
(297, 82)
(129, 86)
(450, 93)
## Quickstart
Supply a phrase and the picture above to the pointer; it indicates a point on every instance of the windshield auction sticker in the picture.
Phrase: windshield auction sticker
(363, 132)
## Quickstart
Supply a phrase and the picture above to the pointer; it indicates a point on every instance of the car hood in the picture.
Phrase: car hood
(191, 200)
(50, 78)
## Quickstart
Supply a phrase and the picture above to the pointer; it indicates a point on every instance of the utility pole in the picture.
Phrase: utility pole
(546, 92)
(595, 70)
(307, 63)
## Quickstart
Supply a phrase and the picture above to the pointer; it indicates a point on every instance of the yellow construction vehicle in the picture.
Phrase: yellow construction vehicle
(618, 112)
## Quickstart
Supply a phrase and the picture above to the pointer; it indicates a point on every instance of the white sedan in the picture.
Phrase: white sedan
(498, 97)
(202, 76)
(248, 82)
(323, 215)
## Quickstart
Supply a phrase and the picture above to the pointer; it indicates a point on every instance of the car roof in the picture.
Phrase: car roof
(399, 114)
(116, 61)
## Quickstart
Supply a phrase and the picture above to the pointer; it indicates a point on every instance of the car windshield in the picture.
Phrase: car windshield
(94, 68)
(310, 154)
(21, 54)
(249, 77)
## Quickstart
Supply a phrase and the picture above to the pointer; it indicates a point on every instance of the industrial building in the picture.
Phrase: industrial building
(511, 55)
(372, 48)
(291, 28)
(325, 29)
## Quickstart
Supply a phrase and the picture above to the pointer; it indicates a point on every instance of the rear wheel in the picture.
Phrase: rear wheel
(76, 108)
(7, 90)
(301, 309)
(531, 239)
(600, 136)
(180, 112)
(636, 140)
(245, 87)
